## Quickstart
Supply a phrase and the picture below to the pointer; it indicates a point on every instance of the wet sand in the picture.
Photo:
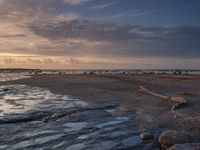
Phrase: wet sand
(152, 112)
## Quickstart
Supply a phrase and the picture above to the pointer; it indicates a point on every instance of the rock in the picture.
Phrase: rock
(121, 109)
(57, 115)
(54, 116)
(188, 146)
(91, 73)
(146, 136)
(178, 106)
(5, 89)
(45, 119)
(171, 137)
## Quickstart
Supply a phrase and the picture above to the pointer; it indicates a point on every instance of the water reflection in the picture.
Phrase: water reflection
(19, 99)
(84, 130)
(13, 76)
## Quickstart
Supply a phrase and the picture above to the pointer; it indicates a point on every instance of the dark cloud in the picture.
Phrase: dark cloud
(134, 40)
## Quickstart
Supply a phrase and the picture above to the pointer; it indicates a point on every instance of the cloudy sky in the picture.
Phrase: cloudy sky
(82, 34)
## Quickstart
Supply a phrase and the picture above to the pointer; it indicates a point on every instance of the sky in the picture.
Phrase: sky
(100, 34)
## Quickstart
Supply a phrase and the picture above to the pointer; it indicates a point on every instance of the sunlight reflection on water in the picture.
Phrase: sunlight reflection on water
(13, 76)
(18, 99)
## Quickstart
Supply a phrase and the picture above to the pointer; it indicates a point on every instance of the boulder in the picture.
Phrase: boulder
(172, 137)
(146, 136)
(187, 146)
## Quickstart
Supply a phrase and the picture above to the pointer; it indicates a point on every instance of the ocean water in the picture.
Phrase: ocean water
(13, 76)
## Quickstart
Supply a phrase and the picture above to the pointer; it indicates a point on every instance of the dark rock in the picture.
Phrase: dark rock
(46, 119)
(171, 137)
(57, 115)
(188, 146)
(178, 106)
(5, 89)
(175, 73)
(146, 136)
(91, 73)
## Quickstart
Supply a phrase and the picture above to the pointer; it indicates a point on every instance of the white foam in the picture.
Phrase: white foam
(117, 121)
(108, 123)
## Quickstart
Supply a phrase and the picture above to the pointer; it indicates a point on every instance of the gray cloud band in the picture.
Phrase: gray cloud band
(181, 41)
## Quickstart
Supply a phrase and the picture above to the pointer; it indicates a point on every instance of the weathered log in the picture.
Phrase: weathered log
(178, 100)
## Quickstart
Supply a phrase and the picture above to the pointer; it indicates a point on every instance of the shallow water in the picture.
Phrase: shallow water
(13, 76)
(20, 99)
(75, 127)
(131, 141)
(78, 126)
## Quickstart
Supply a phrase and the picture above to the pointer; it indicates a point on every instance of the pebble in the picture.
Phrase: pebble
(146, 136)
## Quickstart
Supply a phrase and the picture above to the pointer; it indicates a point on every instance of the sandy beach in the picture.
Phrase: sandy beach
(150, 111)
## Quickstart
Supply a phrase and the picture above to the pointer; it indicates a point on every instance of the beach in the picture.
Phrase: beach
(121, 93)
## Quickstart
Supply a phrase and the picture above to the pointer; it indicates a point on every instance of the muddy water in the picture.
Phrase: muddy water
(77, 125)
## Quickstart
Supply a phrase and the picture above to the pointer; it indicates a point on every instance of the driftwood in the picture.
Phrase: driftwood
(178, 100)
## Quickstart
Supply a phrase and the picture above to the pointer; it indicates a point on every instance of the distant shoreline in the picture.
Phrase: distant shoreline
(101, 71)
